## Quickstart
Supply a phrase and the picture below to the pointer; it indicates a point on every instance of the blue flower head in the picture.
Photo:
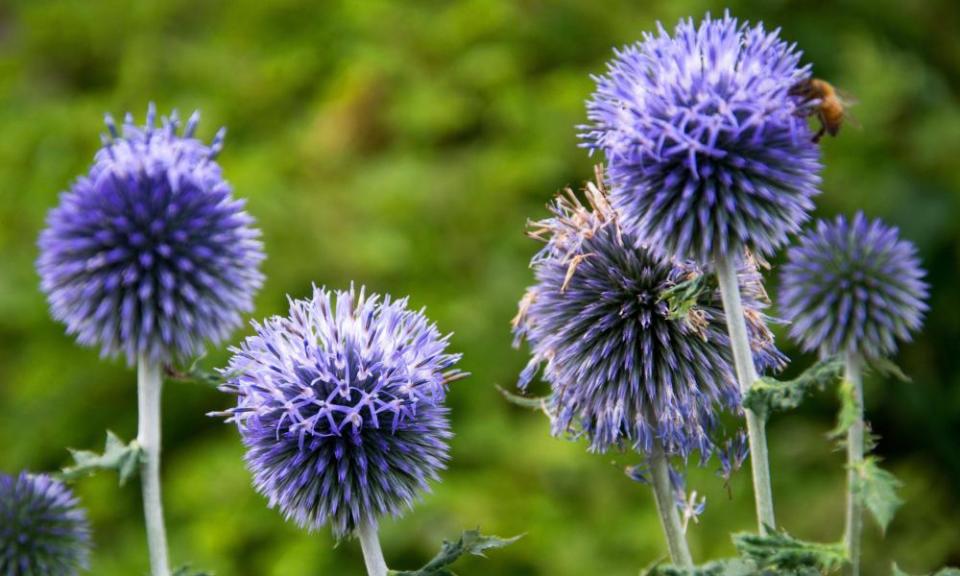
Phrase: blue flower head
(853, 287)
(706, 150)
(43, 532)
(149, 253)
(340, 406)
(624, 368)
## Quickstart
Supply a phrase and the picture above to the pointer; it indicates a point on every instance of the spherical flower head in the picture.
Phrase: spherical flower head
(626, 367)
(853, 287)
(149, 253)
(707, 152)
(43, 532)
(340, 406)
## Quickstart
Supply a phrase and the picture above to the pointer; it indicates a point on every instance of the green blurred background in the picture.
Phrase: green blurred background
(404, 146)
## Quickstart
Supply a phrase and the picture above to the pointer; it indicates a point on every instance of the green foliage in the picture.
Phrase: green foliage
(117, 455)
(470, 542)
(877, 489)
(887, 367)
(948, 571)
(729, 567)
(768, 395)
(187, 570)
(194, 373)
(848, 410)
(787, 555)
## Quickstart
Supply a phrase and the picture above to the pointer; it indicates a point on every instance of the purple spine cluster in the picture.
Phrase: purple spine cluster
(340, 406)
(707, 152)
(149, 253)
(853, 286)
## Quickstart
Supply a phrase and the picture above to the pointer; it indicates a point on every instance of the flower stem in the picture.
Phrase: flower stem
(855, 441)
(149, 384)
(747, 375)
(372, 554)
(667, 508)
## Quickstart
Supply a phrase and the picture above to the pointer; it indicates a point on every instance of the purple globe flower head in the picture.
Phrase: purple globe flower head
(707, 151)
(853, 287)
(624, 368)
(340, 406)
(43, 532)
(149, 253)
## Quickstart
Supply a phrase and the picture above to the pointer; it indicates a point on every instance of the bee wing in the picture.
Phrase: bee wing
(849, 101)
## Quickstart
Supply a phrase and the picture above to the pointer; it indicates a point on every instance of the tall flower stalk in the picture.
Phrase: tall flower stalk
(853, 288)
(150, 256)
(341, 407)
(628, 367)
(709, 157)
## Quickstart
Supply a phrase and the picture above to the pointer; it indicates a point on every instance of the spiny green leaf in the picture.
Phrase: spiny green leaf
(470, 542)
(186, 570)
(117, 455)
(728, 567)
(877, 489)
(787, 555)
(683, 297)
(768, 395)
(848, 410)
(948, 571)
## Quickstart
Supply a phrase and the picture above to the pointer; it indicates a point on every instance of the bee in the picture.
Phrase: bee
(826, 103)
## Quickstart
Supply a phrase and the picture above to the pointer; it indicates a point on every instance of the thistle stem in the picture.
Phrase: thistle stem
(667, 508)
(747, 375)
(855, 442)
(372, 554)
(149, 384)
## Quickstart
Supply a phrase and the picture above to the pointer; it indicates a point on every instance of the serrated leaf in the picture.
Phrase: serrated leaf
(787, 555)
(877, 489)
(948, 571)
(848, 410)
(117, 455)
(728, 567)
(768, 395)
(188, 571)
(470, 542)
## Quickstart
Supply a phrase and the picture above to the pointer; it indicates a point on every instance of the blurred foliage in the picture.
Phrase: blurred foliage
(404, 145)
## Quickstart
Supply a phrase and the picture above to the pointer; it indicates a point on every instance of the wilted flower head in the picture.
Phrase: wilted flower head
(43, 532)
(707, 152)
(340, 405)
(853, 287)
(624, 365)
(149, 253)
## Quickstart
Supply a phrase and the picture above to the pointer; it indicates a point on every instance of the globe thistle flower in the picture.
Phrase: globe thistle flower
(853, 287)
(150, 253)
(340, 406)
(624, 367)
(43, 532)
(707, 151)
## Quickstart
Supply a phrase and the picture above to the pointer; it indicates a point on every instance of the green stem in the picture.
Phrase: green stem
(747, 375)
(372, 554)
(667, 508)
(149, 385)
(855, 442)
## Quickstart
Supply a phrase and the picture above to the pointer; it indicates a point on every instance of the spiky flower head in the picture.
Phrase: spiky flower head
(43, 532)
(853, 287)
(633, 345)
(149, 253)
(707, 151)
(340, 406)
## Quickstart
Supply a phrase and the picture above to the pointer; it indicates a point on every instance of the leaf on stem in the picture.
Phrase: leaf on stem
(728, 567)
(470, 542)
(848, 410)
(194, 373)
(187, 570)
(787, 555)
(877, 489)
(768, 395)
(117, 455)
